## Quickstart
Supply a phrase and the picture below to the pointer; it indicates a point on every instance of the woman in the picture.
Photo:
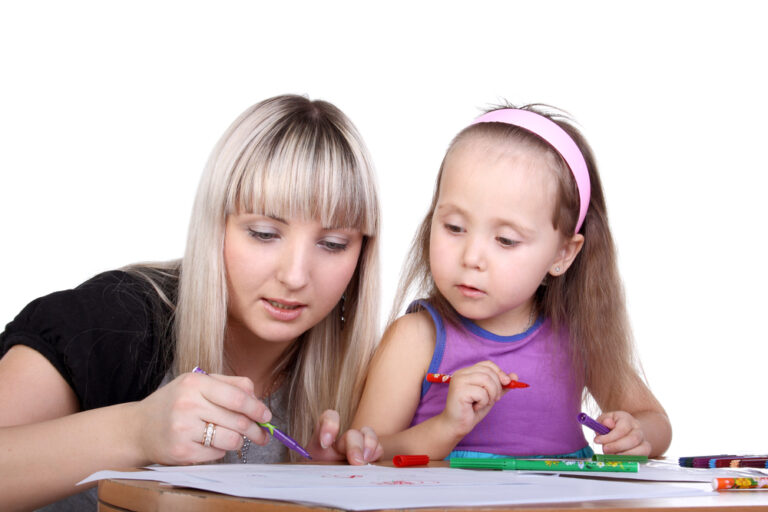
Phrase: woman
(276, 297)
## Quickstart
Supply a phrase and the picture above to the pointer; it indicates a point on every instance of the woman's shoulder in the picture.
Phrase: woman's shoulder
(107, 327)
(103, 298)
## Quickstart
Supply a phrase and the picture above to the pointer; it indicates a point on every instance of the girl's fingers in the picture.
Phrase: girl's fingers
(502, 376)
(483, 377)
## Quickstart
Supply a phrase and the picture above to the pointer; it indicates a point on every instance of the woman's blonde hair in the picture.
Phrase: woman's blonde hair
(588, 299)
(287, 157)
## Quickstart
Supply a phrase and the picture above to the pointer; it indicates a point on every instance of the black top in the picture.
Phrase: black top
(109, 337)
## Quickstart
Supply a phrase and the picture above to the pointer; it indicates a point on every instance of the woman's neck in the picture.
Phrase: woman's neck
(245, 355)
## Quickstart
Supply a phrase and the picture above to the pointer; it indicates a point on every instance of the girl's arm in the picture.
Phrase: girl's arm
(47, 446)
(639, 425)
(393, 389)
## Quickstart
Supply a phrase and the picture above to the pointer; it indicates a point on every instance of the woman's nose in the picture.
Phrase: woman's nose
(293, 269)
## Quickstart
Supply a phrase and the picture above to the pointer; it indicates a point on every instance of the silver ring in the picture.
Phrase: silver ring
(210, 431)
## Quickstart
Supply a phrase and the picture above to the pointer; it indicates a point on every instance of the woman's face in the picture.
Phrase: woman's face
(285, 275)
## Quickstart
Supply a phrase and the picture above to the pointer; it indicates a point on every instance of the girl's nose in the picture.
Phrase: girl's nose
(474, 254)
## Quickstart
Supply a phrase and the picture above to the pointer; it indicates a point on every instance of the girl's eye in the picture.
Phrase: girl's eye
(506, 242)
(453, 228)
(333, 246)
(264, 236)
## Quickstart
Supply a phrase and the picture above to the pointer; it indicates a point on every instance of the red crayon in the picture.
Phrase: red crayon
(439, 378)
(410, 460)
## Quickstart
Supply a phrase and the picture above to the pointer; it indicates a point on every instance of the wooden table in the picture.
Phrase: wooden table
(142, 495)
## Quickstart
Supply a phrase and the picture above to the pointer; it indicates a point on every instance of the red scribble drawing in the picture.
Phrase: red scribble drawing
(342, 476)
(406, 482)
(400, 482)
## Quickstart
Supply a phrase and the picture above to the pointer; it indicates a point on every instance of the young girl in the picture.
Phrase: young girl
(518, 265)
(276, 297)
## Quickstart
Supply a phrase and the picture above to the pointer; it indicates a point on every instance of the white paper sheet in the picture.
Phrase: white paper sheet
(372, 487)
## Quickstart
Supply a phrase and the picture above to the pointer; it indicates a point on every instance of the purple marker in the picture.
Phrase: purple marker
(283, 438)
(589, 422)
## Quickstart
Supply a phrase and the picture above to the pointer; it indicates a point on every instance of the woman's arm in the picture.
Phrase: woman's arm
(47, 446)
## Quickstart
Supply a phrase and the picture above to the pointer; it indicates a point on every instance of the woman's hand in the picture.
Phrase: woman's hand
(626, 436)
(172, 421)
(472, 393)
(356, 446)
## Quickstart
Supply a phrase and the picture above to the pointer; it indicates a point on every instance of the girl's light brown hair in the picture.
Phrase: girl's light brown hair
(588, 299)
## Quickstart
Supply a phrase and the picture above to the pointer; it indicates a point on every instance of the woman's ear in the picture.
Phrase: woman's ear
(567, 253)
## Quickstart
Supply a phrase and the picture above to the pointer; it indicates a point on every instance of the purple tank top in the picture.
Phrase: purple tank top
(538, 420)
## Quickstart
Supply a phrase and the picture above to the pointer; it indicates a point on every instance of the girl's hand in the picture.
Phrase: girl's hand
(626, 436)
(356, 446)
(472, 393)
(171, 422)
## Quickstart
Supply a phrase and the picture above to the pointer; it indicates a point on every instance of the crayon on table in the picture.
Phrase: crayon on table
(700, 461)
(744, 461)
(410, 460)
(544, 465)
(594, 425)
(277, 434)
(726, 484)
(441, 378)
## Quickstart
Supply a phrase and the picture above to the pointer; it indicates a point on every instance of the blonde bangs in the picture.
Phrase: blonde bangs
(308, 176)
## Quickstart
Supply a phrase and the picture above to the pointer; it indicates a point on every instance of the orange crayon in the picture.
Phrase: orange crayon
(724, 484)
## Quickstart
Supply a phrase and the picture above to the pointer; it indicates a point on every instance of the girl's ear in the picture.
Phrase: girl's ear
(567, 253)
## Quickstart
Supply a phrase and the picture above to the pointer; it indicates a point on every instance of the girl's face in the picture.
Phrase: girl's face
(285, 275)
(492, 241)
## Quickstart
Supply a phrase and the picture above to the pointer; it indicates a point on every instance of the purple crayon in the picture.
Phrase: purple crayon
(273, 431)
(589, 422)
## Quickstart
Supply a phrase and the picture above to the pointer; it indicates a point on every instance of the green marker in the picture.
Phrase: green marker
(544, 465)
(599, 457)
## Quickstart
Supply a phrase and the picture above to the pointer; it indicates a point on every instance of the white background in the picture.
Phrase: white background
(108, 113)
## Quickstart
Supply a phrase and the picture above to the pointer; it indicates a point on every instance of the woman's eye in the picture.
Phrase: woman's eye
(453, 228)
(264, 236)
(506, 242)
(333, 246)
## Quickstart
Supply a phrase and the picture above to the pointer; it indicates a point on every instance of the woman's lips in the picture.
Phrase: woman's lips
(284, 311)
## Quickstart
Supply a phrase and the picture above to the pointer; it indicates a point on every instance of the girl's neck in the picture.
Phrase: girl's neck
(510, 323)
(245, 355)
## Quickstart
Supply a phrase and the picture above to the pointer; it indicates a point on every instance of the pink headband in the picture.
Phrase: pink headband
(558, 138)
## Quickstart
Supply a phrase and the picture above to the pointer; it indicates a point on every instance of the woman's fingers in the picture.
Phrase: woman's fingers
(360, 446)
(226, 392)
(220, 438)
(372, 449)
(327, 428)
(233, 405)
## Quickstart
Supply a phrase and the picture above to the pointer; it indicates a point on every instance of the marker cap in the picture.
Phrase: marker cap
(410, 460)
